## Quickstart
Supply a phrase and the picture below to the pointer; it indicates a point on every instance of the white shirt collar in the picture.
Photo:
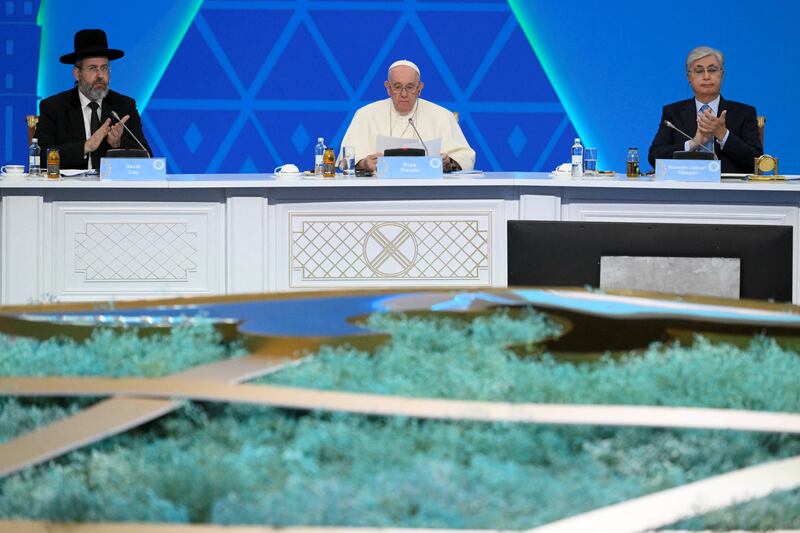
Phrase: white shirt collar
(713, 104)
(85, 101)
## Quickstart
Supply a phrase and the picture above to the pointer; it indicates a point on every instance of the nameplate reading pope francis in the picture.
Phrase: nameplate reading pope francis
(409, 167)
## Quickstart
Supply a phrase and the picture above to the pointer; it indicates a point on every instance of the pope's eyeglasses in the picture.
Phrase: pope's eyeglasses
(411, 88)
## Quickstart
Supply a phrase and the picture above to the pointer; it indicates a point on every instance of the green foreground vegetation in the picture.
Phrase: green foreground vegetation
(252, 465)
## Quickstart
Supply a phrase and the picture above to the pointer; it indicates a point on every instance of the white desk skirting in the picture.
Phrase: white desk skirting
(243, 233)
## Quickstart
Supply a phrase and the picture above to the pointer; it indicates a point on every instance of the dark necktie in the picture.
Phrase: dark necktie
(94, 124)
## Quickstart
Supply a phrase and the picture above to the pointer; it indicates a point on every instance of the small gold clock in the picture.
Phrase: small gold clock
(766, 164)
(766, 168)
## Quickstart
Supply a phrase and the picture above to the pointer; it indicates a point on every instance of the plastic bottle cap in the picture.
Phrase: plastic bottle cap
(319, 139)
(577, 139)
(35, 140)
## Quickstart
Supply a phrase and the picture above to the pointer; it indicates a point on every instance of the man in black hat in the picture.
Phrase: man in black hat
(79, 121)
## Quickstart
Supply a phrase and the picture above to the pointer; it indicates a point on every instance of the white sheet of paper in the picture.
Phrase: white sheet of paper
(80, 174)
(384, 142)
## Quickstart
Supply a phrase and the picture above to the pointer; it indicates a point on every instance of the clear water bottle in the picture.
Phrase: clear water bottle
(632, 169)
(577, 158)
(34, 158)
(319, 151)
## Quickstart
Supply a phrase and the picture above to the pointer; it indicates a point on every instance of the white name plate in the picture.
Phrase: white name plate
(688, 170)
(404, 167)
(133, 168)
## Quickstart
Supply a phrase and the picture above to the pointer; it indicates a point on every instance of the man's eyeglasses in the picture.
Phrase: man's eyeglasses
(411, 88)
(699, 71)
(94, 69)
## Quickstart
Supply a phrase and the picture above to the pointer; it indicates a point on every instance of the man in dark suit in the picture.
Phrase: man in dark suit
(727, 128)
(79, 121)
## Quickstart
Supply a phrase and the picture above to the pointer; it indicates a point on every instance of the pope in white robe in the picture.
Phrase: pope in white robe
(390, 117)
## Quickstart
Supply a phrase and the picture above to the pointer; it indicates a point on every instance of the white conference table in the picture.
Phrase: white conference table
(216, 234)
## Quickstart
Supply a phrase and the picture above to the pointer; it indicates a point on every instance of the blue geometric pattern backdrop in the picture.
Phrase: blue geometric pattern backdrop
(19, 61)
(252, 85)
(247, 85)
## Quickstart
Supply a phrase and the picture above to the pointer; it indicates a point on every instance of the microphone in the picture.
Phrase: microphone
(411, 121)
(669, 124)
(116, 116)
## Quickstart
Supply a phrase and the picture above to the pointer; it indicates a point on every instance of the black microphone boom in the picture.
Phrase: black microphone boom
(411, 121)
(116, 116)
(669, 124)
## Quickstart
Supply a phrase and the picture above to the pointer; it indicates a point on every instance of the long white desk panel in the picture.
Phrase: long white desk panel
(233, 233)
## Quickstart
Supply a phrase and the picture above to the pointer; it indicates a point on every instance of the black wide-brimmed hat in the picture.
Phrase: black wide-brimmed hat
(91, 43)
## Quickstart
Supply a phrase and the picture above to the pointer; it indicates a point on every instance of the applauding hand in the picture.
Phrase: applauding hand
(712, 126)
(94, 142)
(115, 132)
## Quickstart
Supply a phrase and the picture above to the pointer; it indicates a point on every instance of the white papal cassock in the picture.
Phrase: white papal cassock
(432, 121)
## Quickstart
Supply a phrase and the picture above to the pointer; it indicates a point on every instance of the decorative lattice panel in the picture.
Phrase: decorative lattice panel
(355, 248)
(125, 251)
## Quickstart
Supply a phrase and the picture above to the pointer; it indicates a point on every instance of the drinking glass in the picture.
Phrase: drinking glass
(590, 162)
(348, 160)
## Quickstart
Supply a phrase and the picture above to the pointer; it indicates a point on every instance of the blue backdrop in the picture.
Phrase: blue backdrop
(242, 86)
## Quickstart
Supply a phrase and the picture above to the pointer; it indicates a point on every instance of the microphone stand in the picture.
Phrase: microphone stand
(411, 122)
(116, 116)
